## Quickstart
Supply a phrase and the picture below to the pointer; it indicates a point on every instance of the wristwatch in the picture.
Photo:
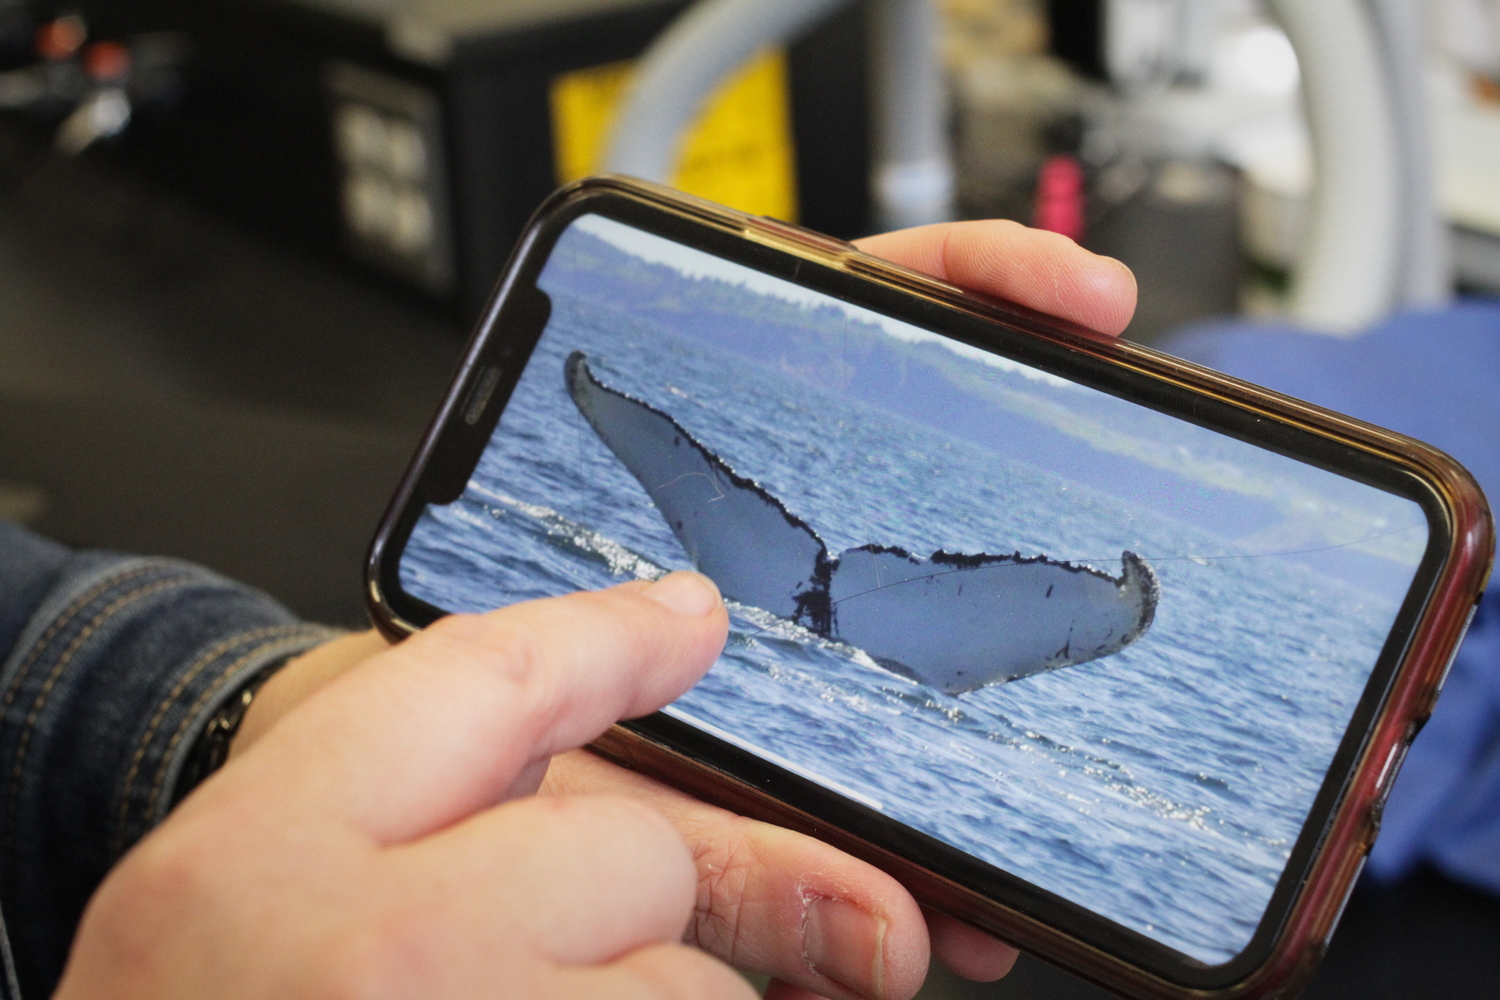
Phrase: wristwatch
(211, 749)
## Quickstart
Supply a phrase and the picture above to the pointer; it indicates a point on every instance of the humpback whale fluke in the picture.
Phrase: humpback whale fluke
(960, 622)
(955, 622)
(741, 536)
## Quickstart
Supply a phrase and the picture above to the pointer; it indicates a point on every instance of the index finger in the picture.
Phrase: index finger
(449, 722)
(1044, 271)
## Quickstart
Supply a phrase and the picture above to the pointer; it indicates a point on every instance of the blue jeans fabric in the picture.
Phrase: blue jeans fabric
(110, 668)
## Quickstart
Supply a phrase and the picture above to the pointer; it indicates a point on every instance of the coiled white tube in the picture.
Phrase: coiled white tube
(1424, 266)
(684, 65)
(912, 178)
(1346, 275)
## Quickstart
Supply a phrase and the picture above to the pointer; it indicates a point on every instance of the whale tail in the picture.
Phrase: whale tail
(958, 622)
(732, 529)
(955, 622)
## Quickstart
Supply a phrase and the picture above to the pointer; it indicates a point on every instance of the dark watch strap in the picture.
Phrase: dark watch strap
(211, 749)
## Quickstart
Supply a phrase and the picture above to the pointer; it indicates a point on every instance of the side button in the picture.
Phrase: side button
(1388, 779)
(805, 234)
(1448, 667)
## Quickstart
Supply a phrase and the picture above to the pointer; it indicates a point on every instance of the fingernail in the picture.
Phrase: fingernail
(846, 944)
(1122, 267)
(686, 593)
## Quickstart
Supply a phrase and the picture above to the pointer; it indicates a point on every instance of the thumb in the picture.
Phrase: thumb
(453, 719)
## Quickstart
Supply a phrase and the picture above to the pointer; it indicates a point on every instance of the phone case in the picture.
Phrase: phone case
(1280, 959)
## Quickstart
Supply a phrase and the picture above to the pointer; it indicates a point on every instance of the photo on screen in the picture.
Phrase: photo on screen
(1103, 649)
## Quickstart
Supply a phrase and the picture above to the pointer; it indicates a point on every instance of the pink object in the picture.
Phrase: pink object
(1059, 197)
(61, 39)
(106, 62)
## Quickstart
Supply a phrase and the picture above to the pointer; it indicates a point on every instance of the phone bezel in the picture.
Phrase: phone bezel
(1342, 821)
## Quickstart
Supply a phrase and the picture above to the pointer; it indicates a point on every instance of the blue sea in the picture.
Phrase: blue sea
(1162, 787)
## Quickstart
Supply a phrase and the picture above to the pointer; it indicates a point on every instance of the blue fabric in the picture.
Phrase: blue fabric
(110, 668)
(1434, 375)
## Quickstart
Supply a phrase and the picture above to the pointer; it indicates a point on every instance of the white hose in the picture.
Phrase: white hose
(684, 65)
(912, 177)
(1346, 271)
(1424, 266)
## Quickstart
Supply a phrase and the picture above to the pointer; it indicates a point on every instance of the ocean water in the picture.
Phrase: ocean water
(1162, 787)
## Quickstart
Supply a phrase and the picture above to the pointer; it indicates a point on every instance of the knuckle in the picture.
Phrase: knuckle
(175, 867)
(170, 886)
(635, 830)
(726, 861)
(649, 831)
(452, 630)
(518, 656)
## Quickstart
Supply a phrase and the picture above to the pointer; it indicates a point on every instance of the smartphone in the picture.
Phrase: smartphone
(1105, 653)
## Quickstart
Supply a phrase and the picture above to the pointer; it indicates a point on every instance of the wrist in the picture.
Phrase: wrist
(298, 680)
(211, 749)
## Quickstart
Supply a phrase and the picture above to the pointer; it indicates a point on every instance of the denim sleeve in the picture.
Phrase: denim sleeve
(110, 668)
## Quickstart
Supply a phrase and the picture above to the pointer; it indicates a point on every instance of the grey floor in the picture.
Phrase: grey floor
(171, 383)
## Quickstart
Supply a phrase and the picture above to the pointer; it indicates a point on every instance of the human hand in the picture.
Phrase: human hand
(382, 840)
(773, 901)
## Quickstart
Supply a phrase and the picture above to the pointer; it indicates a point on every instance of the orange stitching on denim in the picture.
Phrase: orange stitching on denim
(61, 622)
(14, 791)
(187, 678)
(295, 634)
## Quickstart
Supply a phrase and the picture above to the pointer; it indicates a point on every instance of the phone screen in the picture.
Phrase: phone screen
(1101, 648)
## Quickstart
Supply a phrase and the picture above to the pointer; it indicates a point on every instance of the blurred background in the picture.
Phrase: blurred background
(242, 242)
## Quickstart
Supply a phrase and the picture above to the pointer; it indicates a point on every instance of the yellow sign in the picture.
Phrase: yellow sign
(738, 153)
